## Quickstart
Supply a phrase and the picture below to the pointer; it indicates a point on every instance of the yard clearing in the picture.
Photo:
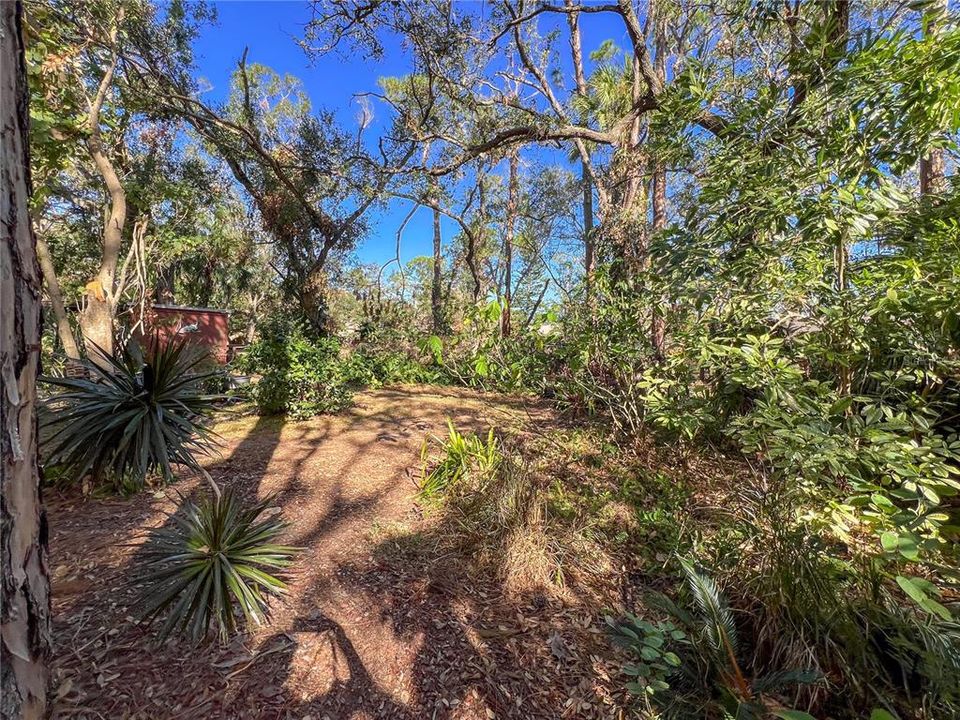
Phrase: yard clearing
(367, 629)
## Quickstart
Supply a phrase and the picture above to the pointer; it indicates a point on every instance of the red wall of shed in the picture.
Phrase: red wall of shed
(211, 333)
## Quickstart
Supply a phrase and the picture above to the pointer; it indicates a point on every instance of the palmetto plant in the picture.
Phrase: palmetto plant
(141, 413)
(211, 563)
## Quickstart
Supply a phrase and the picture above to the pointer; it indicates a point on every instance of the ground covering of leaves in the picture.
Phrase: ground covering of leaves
(377, 624)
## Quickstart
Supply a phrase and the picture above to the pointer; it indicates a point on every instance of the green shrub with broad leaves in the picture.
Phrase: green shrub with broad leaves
(300, 372)
(144, 412)
(213, 562)
(375, 367)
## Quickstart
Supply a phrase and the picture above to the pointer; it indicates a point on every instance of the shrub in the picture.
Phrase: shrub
(212, 560)
(375, 367)
(694, 665)
(460, 455)
(143, 413)
(300, 373)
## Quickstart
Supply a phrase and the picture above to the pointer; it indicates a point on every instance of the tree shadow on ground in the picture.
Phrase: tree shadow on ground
(100, 641)
(376, 625)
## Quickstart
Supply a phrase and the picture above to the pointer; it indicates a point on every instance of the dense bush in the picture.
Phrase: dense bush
(300, 372)
(375, 367)
(144, 412)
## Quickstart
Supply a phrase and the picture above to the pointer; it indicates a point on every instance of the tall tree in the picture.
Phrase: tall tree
(933, 164)
(510, 222)
(25, 590)
(436, 286)
(80, 60)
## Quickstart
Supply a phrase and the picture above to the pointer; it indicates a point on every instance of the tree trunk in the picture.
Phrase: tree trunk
(64, 331)
(313, 300)
(659, 197)
(166, 281)
(576, 54)
(628, 231)
(96, 320)
(589, 252)
(251, 331)
(511, 221)
(933, 166)
(25, 594)
(436, 289)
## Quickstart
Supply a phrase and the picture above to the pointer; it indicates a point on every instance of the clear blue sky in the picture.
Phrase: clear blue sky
(270, 29)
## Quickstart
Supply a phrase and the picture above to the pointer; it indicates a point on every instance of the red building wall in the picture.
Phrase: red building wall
(167, 322)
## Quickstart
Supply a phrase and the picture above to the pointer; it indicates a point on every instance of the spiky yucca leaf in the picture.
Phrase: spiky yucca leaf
(213, 559)
(141, 414)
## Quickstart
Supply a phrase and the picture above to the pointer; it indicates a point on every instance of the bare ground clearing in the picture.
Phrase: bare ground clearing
(367, 629)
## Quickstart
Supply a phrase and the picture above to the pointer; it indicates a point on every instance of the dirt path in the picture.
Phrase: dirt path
(365, 632)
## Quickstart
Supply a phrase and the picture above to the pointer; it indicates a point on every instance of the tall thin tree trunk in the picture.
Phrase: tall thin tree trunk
(436, 287)
(933, 166)
(64, 331)
(25, 590)
(511, 221)
(659, 195)
(589, 245)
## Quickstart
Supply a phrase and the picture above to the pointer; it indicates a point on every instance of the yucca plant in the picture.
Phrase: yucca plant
(142, 413)
(212, 562)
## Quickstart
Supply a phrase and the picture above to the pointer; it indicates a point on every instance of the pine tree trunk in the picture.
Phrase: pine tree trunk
(25, 593)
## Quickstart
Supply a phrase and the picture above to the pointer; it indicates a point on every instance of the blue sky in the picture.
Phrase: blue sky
(270, 29)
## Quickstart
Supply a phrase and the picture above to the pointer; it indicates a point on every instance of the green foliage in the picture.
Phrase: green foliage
(694, 663)
(374, 367)
(300, 373)
(459, 456)
(210, 561)
(649, 644)
(479, 356)
(143, 413)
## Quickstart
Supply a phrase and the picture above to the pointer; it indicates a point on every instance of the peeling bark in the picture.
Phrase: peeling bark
(25, 594)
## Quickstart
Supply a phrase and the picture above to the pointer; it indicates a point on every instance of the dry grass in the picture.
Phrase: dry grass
(503, 518)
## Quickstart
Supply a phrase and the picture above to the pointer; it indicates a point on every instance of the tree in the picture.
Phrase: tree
(25, 592)
(87, 113)
(298, 167)
(510, 222)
